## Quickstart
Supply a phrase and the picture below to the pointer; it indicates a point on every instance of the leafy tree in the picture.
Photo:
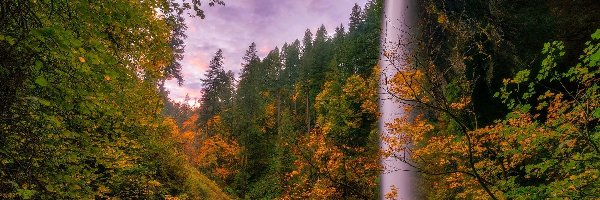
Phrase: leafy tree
(339, 159)
(458, 149)
(80, 115)
(305, 125)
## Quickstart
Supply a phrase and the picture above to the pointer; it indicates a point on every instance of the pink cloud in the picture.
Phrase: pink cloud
(263, 51)
(197, 63)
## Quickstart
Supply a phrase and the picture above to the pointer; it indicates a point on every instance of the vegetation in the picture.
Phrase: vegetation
(300, 122)
(501, 100)
(492, 117)
(80, 112)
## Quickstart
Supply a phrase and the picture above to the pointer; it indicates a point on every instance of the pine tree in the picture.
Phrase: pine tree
(251, 128)
(291, 67)
(271, 67)
(214, 89)
(321, 56)
(355, 18)
(307, 41)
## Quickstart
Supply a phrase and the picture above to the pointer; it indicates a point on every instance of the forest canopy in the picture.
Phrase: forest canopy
(501, 101)
(80, 106)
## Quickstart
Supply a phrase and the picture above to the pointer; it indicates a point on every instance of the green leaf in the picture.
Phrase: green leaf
(10, 40)
(525, 108)
(55, 120)
(522, 76)
(25, 194)
(596, 34)
(41, 81)
(38, 65)
(596, 113)
(44, 102)
(50, 188)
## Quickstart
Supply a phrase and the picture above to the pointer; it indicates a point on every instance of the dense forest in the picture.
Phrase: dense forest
(299, 123)
(80, 106)
(502, 100)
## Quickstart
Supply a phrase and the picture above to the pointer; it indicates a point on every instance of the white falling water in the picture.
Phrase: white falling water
(398, 18)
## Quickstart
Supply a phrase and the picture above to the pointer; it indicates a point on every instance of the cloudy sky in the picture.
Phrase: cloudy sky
(233, 27)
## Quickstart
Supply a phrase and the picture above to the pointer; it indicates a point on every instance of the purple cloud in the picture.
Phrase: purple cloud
(233, 27)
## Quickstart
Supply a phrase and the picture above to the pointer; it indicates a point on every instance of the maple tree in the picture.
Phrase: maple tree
(546, 147)
(462, 140)
(80, 115)
(85, 113)
(339, 158)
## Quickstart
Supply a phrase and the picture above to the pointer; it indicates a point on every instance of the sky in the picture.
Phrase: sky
(233, 27)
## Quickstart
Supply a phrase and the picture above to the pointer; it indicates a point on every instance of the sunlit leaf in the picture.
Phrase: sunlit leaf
(41, 81)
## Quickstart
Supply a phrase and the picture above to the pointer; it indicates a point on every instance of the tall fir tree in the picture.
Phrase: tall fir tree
(216, 91)
(355, 18)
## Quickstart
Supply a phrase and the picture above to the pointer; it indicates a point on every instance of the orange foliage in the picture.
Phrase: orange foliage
(186, 135)
(407, 85)
(215, 154)
(392, 194)
(326, 169)
(498, 151)
(326, 172)
(218, 156)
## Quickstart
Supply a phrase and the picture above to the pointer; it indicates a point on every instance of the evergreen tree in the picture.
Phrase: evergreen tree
(363, 38)
(289, 77)
(321, 56)
(307, 41)
(355, 18)
(250, 110)
(338, 64)
(271, 68)
(216, 91)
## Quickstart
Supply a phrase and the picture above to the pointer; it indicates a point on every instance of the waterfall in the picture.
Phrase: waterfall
(397, 20)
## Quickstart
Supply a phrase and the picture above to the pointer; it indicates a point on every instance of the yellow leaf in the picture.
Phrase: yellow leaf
(103, 189)
(106, 77)
(154, 183)
(442, 19)
(81, 59)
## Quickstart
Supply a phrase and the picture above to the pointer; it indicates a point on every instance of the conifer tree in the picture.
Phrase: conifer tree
(216, 91)
(355, 18)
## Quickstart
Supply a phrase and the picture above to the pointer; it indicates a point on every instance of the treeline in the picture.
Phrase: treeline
(299, 123)
(504, 97)
(79, 103)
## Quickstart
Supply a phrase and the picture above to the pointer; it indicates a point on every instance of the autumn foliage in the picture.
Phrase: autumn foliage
(545, 147)
(80, 108)
(330, 162)
(216, 155)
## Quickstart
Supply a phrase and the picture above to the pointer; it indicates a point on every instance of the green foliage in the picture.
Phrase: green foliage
(567, 157)
(293, 93)
(469, 49)
(80, 115)
(217, 93)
